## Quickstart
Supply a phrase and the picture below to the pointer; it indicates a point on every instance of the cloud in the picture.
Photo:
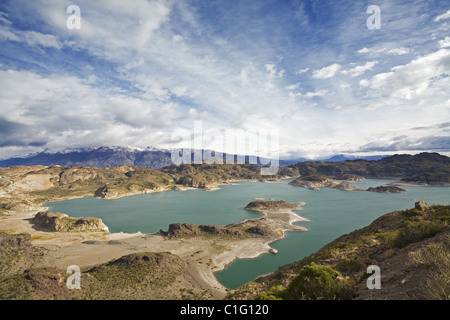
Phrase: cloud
(359, 70)
(32, 38)
(61, 111)
(398, 51)
(320, 93)
(445, 43)
(326, 72)
(443, 16)
(405, 143)
(420, 77)
(363, 50)
(300, 71)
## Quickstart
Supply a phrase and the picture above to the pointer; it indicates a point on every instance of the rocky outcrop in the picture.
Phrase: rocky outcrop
(186, 229)
(317, 181)
(17, 254)
(16, 240)
(59, 222)
(245, 229)
(386, 189)
(261, 205)
(421, 206)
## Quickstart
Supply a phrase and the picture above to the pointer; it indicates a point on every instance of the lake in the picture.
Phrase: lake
(332, 214)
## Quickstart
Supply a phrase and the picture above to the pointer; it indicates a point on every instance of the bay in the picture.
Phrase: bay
(332, 214)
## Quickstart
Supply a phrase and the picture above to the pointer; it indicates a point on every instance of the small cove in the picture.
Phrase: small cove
(332, 214)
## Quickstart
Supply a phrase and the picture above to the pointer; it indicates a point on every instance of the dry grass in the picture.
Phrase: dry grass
(436, 256)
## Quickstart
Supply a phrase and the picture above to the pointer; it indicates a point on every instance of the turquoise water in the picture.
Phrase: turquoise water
(332, 214)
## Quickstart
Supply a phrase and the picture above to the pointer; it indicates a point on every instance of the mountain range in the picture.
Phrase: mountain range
(108, 157)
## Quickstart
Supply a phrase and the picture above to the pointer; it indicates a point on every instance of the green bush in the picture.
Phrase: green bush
(316, 282)
(347, 266)
(275, 293)
(417, 231)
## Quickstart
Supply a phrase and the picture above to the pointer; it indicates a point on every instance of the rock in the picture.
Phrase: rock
(16, 240)
(273, 250)
(187, 229)
(59, 222)
(261, 205)
(386, 189)
(101, 192)
(261, 231)
(421, 205)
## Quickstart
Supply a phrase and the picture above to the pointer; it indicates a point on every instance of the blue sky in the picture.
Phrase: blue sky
(139, 73)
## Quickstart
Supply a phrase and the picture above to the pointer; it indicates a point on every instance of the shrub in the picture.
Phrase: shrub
(416, 231)
(348, 266)
(275, 293)
(316, 282)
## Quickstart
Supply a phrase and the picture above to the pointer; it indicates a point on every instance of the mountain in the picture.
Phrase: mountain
(108, 157)
(102, 157)
(343, 157)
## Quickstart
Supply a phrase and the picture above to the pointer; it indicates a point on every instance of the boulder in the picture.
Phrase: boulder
(421, 205)
(59, 222)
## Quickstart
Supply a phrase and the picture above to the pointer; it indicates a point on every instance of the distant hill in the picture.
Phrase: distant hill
(396, 166)
(343, 157)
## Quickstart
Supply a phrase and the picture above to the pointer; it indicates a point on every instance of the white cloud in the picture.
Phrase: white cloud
(364, 50)
(359, 70)
(300, 71)
(67, 111)
(319, 93)
(419, 78)
(326, 72)
(32, 38)
(445, 42)
(443, 16)
(398, 51)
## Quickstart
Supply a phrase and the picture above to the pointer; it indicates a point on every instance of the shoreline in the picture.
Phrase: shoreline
(87, 249)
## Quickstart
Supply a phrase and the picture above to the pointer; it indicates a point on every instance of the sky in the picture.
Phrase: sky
(318, 77)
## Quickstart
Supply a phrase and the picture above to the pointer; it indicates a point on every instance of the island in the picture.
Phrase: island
(316, 181)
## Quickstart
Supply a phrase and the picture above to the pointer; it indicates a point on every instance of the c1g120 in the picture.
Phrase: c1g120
(246, 309)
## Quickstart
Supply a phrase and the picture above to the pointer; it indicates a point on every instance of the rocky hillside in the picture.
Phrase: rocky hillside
(410, 247)
(397, 166)
(316, 181)
(17, 254)
(149, 276)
